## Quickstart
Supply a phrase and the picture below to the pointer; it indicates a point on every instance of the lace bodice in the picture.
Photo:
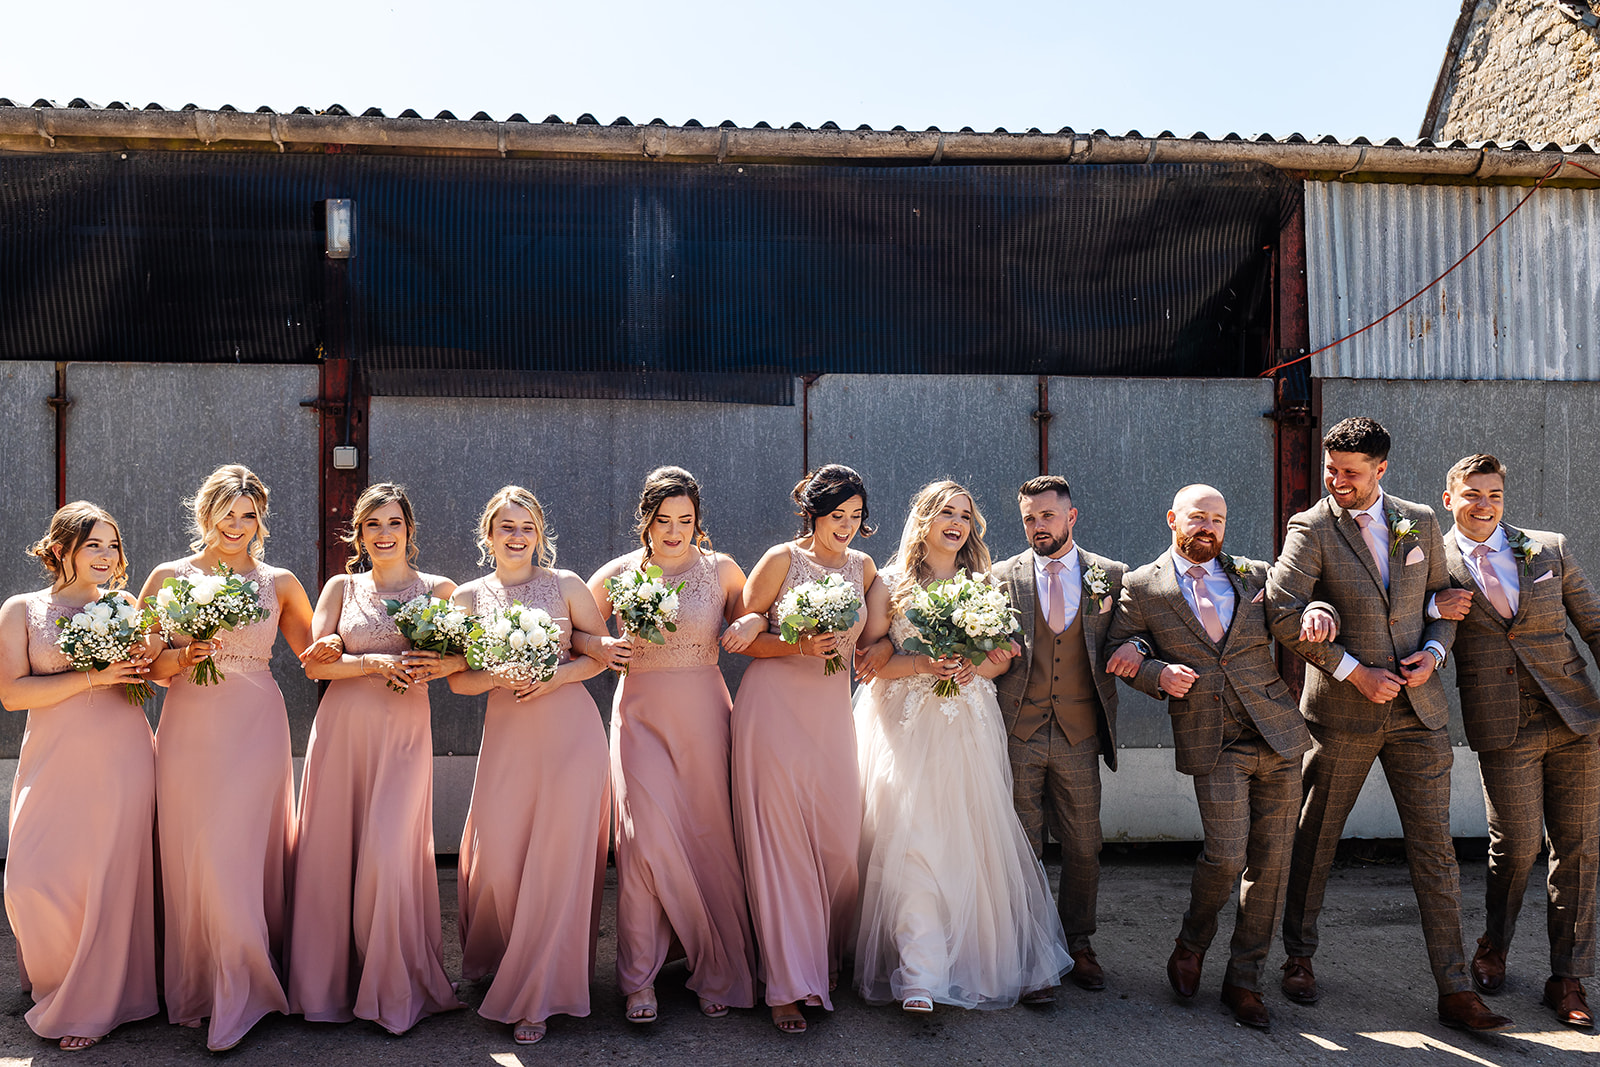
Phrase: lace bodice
(365, 624)
(700, 607)
(543, 590)
(803, 569)
(44, 657)
(249, 647)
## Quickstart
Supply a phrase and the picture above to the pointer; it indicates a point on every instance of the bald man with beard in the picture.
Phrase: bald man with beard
(1192, 630)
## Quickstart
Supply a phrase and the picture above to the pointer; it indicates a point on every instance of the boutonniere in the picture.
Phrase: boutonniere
(1524, 548)
(1401, 530)
(1097, 584)
(1239, 565)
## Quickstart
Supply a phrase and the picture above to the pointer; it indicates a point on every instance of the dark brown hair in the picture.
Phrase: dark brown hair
(1478, 463)
(1358, 434)
(823, 490)
(660, 486)
(1045, 483)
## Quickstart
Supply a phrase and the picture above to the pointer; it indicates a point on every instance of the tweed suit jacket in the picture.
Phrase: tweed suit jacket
(1324, 557)
(1152, 606)
(1017, 579)
(1552, 589)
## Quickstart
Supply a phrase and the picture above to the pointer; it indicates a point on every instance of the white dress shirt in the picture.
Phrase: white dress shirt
(1071, 578)
(1218, 588)
(1501, 558)
(1379, 528)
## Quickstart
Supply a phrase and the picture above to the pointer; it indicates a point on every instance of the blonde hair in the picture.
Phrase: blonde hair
(217, 494)
(912, 556)
(522, 498)
(371, 499)
(69, 528)
(660, 486)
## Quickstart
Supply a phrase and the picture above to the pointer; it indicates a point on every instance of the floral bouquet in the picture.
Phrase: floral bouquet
(960, 617)
(432, 625)
(826, 606)
(645, 607)
(106, 632)
(202, 608)
(520, 643)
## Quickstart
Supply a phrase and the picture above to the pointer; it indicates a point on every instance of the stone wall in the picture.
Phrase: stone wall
(1523, 70)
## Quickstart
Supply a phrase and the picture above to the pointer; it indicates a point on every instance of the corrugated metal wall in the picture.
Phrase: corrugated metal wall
(1523, 307)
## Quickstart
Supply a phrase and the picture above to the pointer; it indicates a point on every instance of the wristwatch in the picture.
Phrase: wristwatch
(1438, 658)
(1143, 646)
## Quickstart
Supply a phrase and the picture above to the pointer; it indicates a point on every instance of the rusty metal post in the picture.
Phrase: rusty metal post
(343, 403)
(1297, 399)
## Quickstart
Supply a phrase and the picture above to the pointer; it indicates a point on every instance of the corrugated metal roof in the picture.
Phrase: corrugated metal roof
(82, 126)
(1523, 307)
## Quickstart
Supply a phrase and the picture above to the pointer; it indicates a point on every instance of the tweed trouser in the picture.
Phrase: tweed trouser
(1544, 788)
(1056, 781)
(1248, 806)
(1416, 762)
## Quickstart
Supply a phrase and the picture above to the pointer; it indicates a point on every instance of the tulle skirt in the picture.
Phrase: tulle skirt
(954, 905)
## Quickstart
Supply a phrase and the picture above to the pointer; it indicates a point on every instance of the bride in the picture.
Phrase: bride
(955, 909)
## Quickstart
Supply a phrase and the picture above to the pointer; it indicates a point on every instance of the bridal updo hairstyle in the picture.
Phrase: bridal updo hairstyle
(371, 499)
(660, 486)
(522, 498)
(217, 494)
(70, 527)
(823, 490)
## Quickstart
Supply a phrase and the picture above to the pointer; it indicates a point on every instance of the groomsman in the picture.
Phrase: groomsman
(1373, 694)
(1060, 706)
(1531, 713)
(1196, 634)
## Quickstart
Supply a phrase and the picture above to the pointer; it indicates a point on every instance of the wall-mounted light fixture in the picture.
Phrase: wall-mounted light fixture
(340, 220)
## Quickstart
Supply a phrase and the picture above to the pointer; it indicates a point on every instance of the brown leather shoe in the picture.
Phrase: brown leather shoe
(1488, 967)
(1566, 997)
(1465, 1011)
(1299, 984)
(1183, 970)
(1246, 1006)
(1086, 972)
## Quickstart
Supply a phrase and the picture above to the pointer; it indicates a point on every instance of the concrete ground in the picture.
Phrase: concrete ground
(1377, 1005)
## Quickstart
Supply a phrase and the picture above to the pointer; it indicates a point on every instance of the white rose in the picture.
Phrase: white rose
(164, 597)
(528, 622)
(80, 620)
(100, 626)
(539, 638)
(454, 619)
(206, 590)
(99, 610)
(669, 603)
(518, 639)
(501, 628)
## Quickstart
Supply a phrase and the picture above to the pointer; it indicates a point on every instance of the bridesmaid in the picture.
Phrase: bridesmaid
(224, 780)
(677, 871)
(797, 795)
(533, 853)
(79, 877)
(367, 941)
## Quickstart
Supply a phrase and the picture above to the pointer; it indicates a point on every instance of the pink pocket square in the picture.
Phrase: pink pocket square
(1546, 576)
(1262, 595)
(1105, 604)
(1415, 556)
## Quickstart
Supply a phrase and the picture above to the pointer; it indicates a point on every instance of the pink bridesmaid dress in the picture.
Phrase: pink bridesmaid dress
(225, 810)
(797, 805)
(677, 868)
(367, 941)
(533, 853)
(79, 873)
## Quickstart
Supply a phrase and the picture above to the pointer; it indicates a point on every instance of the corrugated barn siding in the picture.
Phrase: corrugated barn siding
(1525, 306)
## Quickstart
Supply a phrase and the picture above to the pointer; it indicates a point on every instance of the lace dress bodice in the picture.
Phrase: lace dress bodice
(365, 625)
(700, 607)
(543, 590)
(44, 656)
(249, 647)
(920, 686)
(803, 569)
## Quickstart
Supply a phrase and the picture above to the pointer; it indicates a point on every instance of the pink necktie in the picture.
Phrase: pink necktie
(1492, 588)
(1055, 610)
(1364, 520)
(1204, 609)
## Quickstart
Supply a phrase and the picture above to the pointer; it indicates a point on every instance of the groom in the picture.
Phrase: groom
(1059, 705)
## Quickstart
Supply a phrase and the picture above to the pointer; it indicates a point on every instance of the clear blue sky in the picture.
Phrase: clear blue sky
(1361, 67)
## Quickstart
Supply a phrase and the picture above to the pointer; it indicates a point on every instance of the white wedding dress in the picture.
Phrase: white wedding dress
(954, 905)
